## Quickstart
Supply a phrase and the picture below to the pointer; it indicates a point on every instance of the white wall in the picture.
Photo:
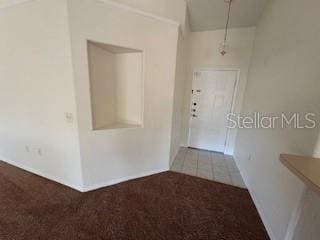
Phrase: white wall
(147, 149)
(115, 155)
(308, 226)
(37, 91)
(179, 92)
(129, 88)
(102, 86)
(203, 52)
(284, 77)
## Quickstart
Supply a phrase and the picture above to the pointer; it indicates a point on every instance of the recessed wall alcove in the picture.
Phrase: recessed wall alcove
(116, 86)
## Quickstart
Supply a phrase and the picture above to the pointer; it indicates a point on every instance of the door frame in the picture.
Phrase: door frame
(234, 96)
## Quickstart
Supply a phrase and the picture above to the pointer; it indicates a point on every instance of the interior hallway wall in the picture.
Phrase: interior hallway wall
(175, 10)
(47, 142)
(203, 52)
(179, 91)
(308, 225)
(284, 78)
(38, 129)
(110, 156)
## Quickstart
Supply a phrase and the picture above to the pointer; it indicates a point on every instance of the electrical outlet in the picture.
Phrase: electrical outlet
(250, 158)
(27, 149)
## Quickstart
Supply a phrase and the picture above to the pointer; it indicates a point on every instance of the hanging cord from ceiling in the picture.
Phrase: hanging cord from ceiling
(223, 46)
(228, 19)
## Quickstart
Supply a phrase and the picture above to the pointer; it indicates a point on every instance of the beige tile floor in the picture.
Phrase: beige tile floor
(209, 165)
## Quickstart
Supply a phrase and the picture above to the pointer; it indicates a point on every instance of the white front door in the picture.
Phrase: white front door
(212, 96)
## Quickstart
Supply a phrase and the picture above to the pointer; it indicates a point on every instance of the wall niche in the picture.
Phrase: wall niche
(116, 86)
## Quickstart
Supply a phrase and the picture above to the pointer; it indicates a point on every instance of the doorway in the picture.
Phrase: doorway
(213, 93)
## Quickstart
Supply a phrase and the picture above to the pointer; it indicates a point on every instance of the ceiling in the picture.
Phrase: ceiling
(206, 15)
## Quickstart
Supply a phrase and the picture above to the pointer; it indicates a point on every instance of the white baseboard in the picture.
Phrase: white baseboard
(124, 179)
(291, 230)
(42, 174)
(77, 187)
(257, 204)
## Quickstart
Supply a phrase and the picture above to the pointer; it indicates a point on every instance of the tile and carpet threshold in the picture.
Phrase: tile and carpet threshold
(208, 165)
(163, 206)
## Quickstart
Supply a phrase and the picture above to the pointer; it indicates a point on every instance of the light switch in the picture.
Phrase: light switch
(69, 117)
(39, 152)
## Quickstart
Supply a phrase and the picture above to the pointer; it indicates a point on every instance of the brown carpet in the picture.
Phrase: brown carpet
(165, 206)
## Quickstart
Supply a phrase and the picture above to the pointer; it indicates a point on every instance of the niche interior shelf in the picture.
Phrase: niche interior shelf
(118, 125)
(305, 168)
(116, 86)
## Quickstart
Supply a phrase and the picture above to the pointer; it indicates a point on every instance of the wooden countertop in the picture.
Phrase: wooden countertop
(306, 168)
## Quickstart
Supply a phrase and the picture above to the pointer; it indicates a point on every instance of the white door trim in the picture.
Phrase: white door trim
(235, 91)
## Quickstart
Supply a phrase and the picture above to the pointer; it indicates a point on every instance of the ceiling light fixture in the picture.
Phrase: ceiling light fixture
(223, 45)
